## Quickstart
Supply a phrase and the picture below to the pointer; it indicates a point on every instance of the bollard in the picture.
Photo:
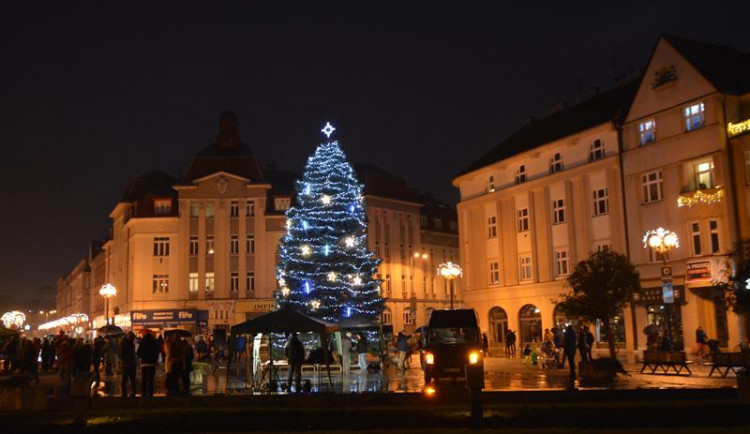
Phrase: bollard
(475, 384)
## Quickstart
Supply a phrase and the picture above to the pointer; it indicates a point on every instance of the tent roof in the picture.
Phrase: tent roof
(284, 321)
(357, 322)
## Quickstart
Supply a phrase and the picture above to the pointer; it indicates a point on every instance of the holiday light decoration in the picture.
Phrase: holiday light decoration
(700, 197)
(327, 268)
(13, 318)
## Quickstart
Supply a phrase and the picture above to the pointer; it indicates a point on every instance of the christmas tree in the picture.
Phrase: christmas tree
(326, 269)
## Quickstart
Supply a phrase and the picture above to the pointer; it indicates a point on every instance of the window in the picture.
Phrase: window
(562, 259)
(647, 130)
(403, 283)
(282, 203)
(438, 223)
(597, 150)
(210, 282)
(377, 249)
(652, 187)
(423, 221)
(385, 317)
(556, 164)
(558, 211)
(695, 233)
(250, 281)
(521, 174)
(713, 230)
(523, 220)
(193, 282)
(234, 282)
(250, 208)
(250, 244)
(234, 209)
(161, 284)
(161, 246)
(454, 226)
(210, 210)
(524, 268)
(704, 175)
(387, 252)
(210, 245)
(603, 247)
(402, 253)
(234, 244)
(162, 206)
(601, 201)
(408, 317)
(194, 210)
(491, 184)
(494, 273)
(388, 283)
(193, 246)
(694, 117)
(492, 227)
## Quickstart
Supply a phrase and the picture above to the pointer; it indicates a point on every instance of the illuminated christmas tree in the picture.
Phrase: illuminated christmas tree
(326, 268)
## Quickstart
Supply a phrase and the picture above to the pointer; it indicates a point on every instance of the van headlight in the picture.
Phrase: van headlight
(474, 357)
(429, 358)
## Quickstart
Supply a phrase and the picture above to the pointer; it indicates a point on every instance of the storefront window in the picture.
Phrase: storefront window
(667, 316)
(530, 324)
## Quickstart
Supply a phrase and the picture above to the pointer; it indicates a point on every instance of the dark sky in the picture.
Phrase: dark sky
(93, 94)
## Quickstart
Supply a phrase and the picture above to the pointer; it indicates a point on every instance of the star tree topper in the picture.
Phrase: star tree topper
(328, 130)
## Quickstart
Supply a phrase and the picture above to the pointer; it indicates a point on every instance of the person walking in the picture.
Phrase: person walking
(110, 355)
(589, 343)
(148, 352)
(96, 357)
(295, 354)
(240, 347)
(512, 342)
(402, 346)
(362, 352)
(582, 347)
(701, 339)
(346, 352)
(570, 348)
(174, 363)
(128, 363)
(65, 360)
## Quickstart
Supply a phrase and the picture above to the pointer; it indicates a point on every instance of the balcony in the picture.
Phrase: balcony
(707, 196)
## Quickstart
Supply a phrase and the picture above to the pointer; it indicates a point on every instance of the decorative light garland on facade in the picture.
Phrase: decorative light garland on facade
(700, 197)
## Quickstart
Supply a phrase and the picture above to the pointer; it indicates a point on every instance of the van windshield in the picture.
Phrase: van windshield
(453, 335)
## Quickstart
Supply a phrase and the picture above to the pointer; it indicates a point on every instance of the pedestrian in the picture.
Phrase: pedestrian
(96, 357)
(589, 343)
(31, 355)
(128, 363)
(402, 346)
(148, 352)
(162, 348)
(362, 352)
(701, 340)
(65, 359)
(548, 336)
(240, 347)
(557, 335)
(570, 348)
(512, 341)
(110, 355)
(346, 352)
(582, 347)
(485, 345)
(295, 354)
(201, 348)
(187, 366)
(175, 360)
(47, 355)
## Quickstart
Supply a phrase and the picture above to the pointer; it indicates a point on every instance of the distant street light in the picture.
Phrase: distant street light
(450, 272)
(107, 291)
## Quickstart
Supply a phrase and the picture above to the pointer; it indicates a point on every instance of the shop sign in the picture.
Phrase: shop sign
(651, 296)
(667, 292)
(739, 128)
(698, 271)
(163, 316)
(263, 306)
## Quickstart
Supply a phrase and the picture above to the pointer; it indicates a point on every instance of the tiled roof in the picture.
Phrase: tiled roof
(380, 183)
(609, 106)
(727, 68)
(154, 183)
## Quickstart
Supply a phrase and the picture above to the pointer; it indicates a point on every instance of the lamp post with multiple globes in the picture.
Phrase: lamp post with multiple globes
(107, 291)
(662, 241)
(450, 272)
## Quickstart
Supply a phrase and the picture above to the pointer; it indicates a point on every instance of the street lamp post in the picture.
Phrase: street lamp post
(663, 241)
(107, 291)
(450, 272)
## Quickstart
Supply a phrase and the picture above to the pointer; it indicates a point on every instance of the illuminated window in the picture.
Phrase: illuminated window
(194, 210)
(524, 268)
(695, 233)
(601, 201)
(597, 150)
(556, 164)
(492, 227)
(523, 220)
(210, 210)
(162, 206)
(652, 187)
(704, 175)
(210, 245)
(494, 273)
(161, 284)
(161, 246)
(250, 208)
(491, 184)
(647, 130)
(562, 259)
(234, 209)
(695, 117)
(210, 283)
(558, 211)
(521, 174)
(193, 282)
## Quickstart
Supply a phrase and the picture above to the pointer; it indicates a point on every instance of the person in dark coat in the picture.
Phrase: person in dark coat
(148, 352)
(590, 339)
(485, 345)
(570, 348)
(188, 365)
(97, 355)
(295, 354)
(582, 347)
(128, 362)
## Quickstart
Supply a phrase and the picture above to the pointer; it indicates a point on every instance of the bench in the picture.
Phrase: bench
(729, 362)
(665, 361)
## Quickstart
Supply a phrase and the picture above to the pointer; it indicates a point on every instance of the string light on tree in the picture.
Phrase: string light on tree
(332, 276)
(350, 242)
(285, 291)
(315, 304)
(305, 250)
(325, 199)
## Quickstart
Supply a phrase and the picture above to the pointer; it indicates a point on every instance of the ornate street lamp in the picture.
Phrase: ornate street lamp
(107, 291)
(450, 272)
(13, 319)
(663, 241)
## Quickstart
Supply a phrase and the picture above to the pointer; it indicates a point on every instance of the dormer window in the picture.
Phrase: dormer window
(282, 203)
(597, 150)
(162, 206)
(556, 164)
(521, 174)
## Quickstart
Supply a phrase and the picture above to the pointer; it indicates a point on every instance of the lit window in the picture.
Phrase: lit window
(234, 282)
(647, 130)
(282, 203)
(597, 150)
(250, 281)
(161, 284)
(491, 184)
(562, 259)
(194, 210)
(524, 267)
(161, 246)
(556, 164)
(193, 282)
(601, 201)
(234, 245)
(162, 206)
(385, 317)
(250, 208)
(408, 317)
(558, 211)
(695, 231)
(713, 226)
(521, 174)
(250, 244)
(652, 187)
(492, 227)
(523, 220)
(494, 273)
(210, 210)
(234, 209)
(695, 117)
(210, 245)
(704, 175)
(210, 284)
(193, 246)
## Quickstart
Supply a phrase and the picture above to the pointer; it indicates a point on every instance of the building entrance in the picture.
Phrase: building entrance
(498, 326)
(661, 315)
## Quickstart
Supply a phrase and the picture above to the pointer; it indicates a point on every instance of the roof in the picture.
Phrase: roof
(378, 182)
(609, 106)
(284, 321)
(227, 153)
(727, 68)
(154, 183)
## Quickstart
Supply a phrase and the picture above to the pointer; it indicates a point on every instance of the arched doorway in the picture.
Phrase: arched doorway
(530, 324)
(498, 326)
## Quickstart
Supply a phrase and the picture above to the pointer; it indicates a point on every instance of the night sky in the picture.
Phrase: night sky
(93, 94)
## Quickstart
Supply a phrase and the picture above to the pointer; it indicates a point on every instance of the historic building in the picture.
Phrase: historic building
(535, 205)
(685, 169)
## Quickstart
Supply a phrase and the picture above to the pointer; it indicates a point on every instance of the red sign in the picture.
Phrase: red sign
(698, 271)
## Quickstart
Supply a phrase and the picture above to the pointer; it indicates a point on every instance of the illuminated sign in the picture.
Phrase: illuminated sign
(698, 271)
(734, 130)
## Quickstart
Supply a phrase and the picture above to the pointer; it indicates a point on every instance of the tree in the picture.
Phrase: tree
(326, 269)
(601, 287)
(735, 281)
